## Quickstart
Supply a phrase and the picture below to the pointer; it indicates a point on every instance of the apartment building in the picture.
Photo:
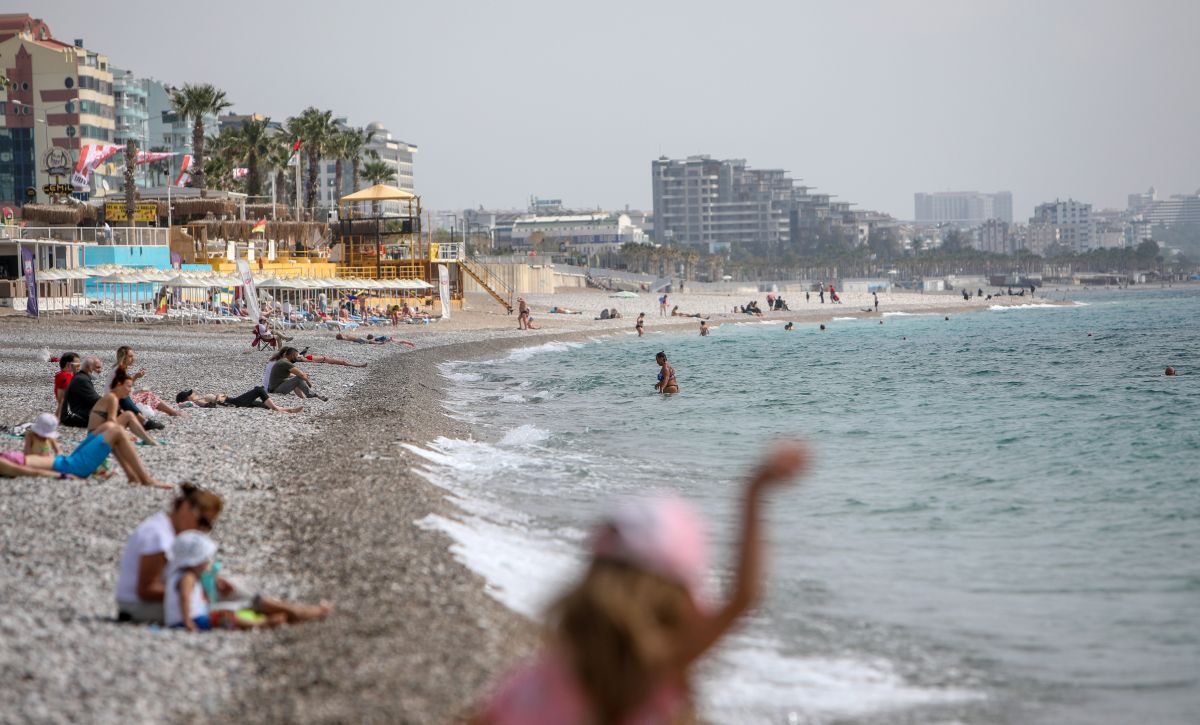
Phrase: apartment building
(59, 97)
(964, 209)
(1073, 219)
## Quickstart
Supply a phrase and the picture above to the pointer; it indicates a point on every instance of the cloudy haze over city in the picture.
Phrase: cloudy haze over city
(870, 101)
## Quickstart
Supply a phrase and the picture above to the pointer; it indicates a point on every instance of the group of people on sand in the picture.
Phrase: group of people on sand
(524, 318)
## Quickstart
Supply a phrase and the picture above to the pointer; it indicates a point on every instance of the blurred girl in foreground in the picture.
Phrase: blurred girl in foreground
(621, 644)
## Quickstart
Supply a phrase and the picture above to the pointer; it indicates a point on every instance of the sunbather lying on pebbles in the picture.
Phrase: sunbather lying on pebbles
(329, 360)
(256, 397)
(373, 339)
(89, 455)
(141, 578)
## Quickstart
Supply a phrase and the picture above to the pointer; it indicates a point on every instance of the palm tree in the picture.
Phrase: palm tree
(315, 130)
(196, 102)
(277, 160)
(131, 152)
(356, 144)
(339, 149)
(161, 167)
(254, 147)
(378, 172)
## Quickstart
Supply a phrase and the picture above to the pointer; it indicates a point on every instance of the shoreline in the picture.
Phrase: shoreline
(320, 505)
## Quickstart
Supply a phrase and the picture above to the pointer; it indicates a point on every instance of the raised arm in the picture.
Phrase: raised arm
(783, 463)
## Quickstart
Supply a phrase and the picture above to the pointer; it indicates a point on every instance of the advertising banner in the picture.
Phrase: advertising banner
(249, 293)
(444, 289)
(30, 269)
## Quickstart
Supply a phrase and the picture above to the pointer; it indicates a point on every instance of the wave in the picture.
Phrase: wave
(909, 314)
(844, 319)
(1032, 306)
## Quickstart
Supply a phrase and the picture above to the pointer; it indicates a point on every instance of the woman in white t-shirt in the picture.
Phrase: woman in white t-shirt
(140, 582)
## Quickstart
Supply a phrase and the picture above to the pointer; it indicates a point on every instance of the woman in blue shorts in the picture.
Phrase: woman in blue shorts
(93, 451)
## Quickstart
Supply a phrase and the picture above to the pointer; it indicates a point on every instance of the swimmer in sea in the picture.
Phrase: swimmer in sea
(703, 328)
(667, 384)
(789, 327)
(1170, 371)
(641, 321)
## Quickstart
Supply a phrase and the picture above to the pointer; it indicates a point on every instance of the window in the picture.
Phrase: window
(70, 132)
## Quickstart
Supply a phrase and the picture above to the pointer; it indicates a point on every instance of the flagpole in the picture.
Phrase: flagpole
(170, 183)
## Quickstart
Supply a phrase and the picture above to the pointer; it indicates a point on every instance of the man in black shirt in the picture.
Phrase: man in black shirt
(81, 394)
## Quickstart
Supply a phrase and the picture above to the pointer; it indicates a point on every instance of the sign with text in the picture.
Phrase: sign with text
(58, 189)
(147, 211)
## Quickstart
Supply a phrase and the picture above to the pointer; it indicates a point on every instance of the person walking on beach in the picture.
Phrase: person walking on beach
(622, 644)
(641, 323)
(821, 294)
(522, 314)
(662, 306)
(876, 296)
(667, 384)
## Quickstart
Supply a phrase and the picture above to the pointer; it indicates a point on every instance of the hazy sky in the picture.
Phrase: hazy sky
(868, 100)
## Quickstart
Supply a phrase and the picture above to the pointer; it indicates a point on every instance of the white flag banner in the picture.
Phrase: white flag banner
(249, 293)
(91, 156)
(444, 289)
(240, 172)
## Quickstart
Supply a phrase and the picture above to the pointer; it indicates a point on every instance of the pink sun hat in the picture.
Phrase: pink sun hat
(663, 535)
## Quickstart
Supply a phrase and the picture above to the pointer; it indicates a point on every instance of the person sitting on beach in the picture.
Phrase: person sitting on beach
(148, 400)
(703, 328)
(641, 324)
(81, 394)
(667, 384)
(91, 454)
(621, 645)
(256, 397)
(283, 377)
(141, 585)
(68, 365)
(529, 324)
(41, 437)
(372, 340)
(108, 409)
(604, 315)
(613, 314)
(264, 333)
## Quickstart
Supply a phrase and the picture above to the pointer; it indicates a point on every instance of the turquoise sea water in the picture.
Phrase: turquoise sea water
(1003, 523)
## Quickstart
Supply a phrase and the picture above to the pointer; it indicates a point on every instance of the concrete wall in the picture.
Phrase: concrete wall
(521, 277)
(158, 257)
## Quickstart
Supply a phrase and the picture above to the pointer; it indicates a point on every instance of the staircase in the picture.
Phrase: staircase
(494, 286)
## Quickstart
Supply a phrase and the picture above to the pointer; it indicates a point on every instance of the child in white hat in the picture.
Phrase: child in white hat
(184, 603)
(41, 438)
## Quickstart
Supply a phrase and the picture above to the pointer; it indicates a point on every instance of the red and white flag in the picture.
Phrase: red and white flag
(149, 157)
(184, 177)
(295, 160)
(90, 157)
(240, 172)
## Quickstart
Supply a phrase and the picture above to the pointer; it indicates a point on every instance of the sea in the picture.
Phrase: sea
(1001, 524)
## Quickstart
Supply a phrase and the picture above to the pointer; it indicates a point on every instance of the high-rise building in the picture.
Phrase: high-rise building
(995, 236)
(392, 151)
(962, 208)
(1178, 209)
(132, 111)
(58, 97)
(1072, 219)
(715, 205)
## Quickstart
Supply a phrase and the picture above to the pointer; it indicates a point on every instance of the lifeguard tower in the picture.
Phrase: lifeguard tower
(391, 246)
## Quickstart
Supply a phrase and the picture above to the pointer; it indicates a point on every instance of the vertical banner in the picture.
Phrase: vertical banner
(444, 289)
(249, 293)
(176, 260)
(271, 250)
(30, 269)
(230, 251)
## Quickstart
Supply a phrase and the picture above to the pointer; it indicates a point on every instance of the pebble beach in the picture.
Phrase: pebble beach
(320, 505)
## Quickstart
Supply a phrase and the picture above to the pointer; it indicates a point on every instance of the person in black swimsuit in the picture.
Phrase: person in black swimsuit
(641, 321)
(667, 384)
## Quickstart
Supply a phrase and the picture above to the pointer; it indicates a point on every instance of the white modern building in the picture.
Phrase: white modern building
(583, 233)
(1073, 219)
(390, 150)
(962, 208)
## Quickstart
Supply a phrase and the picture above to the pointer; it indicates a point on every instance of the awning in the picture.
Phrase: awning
(380, 192)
